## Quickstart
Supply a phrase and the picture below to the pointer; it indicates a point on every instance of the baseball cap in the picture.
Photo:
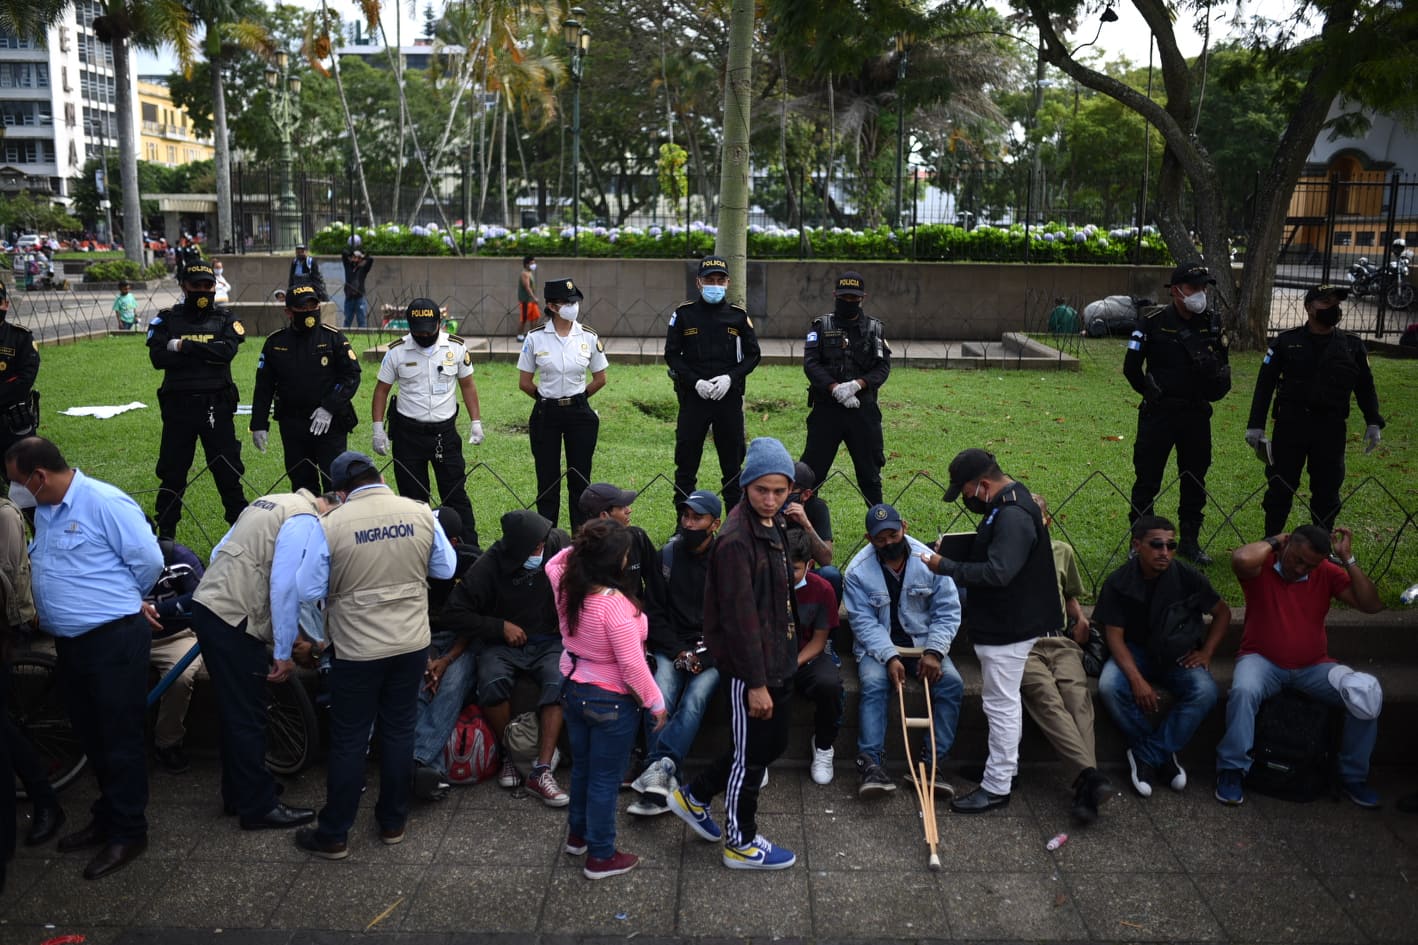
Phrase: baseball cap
(602, 496)
(1326, 293)
(302, 297)
(704, 502)
(197, 271)
(1191, 273)
(803, 476)
(300, 246)
(426, 312)
(967, 464)
(561, 290)
(850, 283)
(1360, 692)
(713, 264)
(350, 464)
(881, 517)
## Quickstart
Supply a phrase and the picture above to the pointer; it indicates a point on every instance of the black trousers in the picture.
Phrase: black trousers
(1312, 440)
(186, 419)
(238, 664)
(739, 773)
(1159, 431)
(307, 456)
(25, 760)
(577, 426)
(829, 425)
(820, 680)
(416, 447)
(696, 417)
(104, 676)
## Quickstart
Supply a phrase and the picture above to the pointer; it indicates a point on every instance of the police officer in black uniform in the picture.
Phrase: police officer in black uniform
(312, 373)
(19, 366)
(710, 348)
(1316, 367)
(846, 360)
(193, 344)
(1177, 360)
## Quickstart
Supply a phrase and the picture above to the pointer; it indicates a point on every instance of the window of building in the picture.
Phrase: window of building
(1343, 238)
(1411, 237)
(152, 151)
(171, 155)
(24, 75)
(150, 112)
(1364, 238)
(9, 40)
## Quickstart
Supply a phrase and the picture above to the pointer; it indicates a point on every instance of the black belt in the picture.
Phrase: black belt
(437, 426)
(572, 401)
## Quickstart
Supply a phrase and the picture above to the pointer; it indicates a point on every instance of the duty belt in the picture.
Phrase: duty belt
(571, 401)
(436, 426)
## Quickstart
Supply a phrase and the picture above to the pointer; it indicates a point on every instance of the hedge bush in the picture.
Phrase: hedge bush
(123, 270)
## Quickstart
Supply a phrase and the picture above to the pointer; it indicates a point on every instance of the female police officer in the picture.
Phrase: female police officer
(560, 353)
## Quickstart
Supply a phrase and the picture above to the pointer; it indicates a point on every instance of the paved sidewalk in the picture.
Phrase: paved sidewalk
(488, 866)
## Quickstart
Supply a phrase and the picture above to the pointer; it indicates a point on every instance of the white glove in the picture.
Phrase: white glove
(174, 344)
(1253, 436)
(704, 389)
(475, 432)
(259, 437)
(381, 441)
(320, 421)
(1371, 439)
(844, 390)
(721, 386)
(852, 403)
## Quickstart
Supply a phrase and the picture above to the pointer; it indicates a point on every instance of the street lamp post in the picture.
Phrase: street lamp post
(283, 85)
(903, 56)
(578, 42)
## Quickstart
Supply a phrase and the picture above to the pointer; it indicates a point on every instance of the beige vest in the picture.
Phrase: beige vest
(378, 602)
(237, 585)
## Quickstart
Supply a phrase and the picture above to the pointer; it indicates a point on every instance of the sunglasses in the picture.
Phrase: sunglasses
(1158, 544)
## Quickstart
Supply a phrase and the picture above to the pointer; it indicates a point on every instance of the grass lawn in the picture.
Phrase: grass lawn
(1067, 435)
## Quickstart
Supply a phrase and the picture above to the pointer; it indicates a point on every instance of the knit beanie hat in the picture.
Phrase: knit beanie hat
(766, 456)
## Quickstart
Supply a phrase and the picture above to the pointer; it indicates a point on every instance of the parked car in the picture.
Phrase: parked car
(28, 241)
(1114, 315)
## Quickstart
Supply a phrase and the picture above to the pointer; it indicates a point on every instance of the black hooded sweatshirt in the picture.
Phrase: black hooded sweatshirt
(497, 588)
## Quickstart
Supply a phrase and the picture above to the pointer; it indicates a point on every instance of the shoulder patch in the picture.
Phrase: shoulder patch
(156, 319)
(812, 338)
(673, 316)
(238, 328)
(395, 343)
(600, 346)
(748, 321)
(456, 340)
(467, 358)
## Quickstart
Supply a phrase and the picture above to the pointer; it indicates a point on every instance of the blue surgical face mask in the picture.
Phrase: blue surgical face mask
(801, 584)
(713, 294)
(533, 562)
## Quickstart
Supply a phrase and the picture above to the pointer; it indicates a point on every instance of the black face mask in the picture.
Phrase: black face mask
(895, 551)
(978, 506)
(425, 341)
(693, 537)
(842, 308)
(304, 321)
(1329, 316)
(201, 303)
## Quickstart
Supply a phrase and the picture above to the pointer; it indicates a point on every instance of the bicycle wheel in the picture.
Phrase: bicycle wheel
(37, 708)
(1400, 295)
(292, 731)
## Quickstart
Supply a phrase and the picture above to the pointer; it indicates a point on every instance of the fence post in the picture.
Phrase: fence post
(1330, 210)
(1388, 242)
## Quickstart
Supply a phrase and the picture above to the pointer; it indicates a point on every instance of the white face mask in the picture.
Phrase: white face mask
(532, 267)
(1195, 303)
(801, 584)
(569, 312)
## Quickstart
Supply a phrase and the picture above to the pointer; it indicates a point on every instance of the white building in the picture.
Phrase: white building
(57, 104)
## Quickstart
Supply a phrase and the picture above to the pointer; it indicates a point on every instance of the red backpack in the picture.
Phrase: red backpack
(471, 753)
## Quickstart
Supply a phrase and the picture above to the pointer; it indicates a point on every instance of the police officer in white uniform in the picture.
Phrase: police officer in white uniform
(432, 368)
(559, 354)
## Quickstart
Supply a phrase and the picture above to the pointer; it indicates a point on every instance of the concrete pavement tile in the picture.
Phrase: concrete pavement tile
(198, 785)
(1275, 908)
(1253, 845)
(1116, 844)
(1142, 907)
(1034, 906)
(348, 896)
(22, 876)
(219, 895)
(226, 842)
(63, 896)
(994, 840)
(658, 841)
(784, 830)
(307, 789)
(784, 794)
(886, 907)
(174, 832)
(1360, 846)
(641, 902)
(1384, 907)
(740, 903)
(521, 835)
(423, 834)
(875, 841)
(457, 897)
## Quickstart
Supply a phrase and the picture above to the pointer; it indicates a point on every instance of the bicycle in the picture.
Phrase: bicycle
(37, 707)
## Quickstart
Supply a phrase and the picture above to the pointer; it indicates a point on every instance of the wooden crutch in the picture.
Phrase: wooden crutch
(925, 787)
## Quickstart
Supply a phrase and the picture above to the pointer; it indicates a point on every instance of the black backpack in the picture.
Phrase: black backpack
(1293, 757)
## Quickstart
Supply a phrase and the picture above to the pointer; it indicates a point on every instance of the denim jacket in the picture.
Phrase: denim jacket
(929, 610)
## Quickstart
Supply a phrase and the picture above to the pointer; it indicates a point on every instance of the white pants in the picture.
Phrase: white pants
(1001, 669)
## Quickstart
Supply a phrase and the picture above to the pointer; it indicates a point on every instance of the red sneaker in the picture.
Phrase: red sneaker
(620, 862)
(575, 846)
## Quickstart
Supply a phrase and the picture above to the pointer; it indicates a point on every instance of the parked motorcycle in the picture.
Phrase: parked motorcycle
(1369, 280)
(1364, 278)
(1400, 290)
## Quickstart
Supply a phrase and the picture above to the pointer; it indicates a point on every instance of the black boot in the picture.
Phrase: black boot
(1191, 549)
(1085, 801)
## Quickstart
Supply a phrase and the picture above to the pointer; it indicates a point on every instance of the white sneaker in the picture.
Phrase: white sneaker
(657, 778)
(822, 764)
(764, 783)
(508, 775)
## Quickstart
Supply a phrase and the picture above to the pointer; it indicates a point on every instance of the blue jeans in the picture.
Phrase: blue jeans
(945, 706)
(686, 695)
(355, 311)
(360, 691)
(601, 725)
(1195, 692)
(438, 713)
(1257, 679)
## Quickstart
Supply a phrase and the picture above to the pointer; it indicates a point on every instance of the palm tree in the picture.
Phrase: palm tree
(732, 239)
(229, 29)
(317, 47)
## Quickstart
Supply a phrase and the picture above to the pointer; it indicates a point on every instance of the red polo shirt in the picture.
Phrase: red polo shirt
(1285, 619)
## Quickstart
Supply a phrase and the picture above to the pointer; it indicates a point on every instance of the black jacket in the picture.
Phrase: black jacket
(705, 341)
(683, 575)
(497, 588)
(1314, 377)
(314, 276)
(355, 274)
(750, 618)
(839, 349)
(19, 363)
(209, 343)
(1187, 360)
(303, 370)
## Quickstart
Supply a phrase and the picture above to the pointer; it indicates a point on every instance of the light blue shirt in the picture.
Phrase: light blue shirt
(92, 559)
(313, 578)
(929, 606)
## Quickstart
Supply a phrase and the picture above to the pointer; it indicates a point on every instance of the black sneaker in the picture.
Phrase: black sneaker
(1142, 773)
(1085, 798)
(172, 758)
(875, 780)
(429, 784)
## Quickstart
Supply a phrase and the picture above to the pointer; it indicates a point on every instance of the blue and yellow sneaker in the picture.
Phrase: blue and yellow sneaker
(758, 854)
(695, 814)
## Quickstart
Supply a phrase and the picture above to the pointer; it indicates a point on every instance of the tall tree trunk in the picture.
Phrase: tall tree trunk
(128, 153)
(502, 148)
(349, 123)
(794, 213)
(831, 147)
(222, 148)
(398, 64)
(734, 189)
